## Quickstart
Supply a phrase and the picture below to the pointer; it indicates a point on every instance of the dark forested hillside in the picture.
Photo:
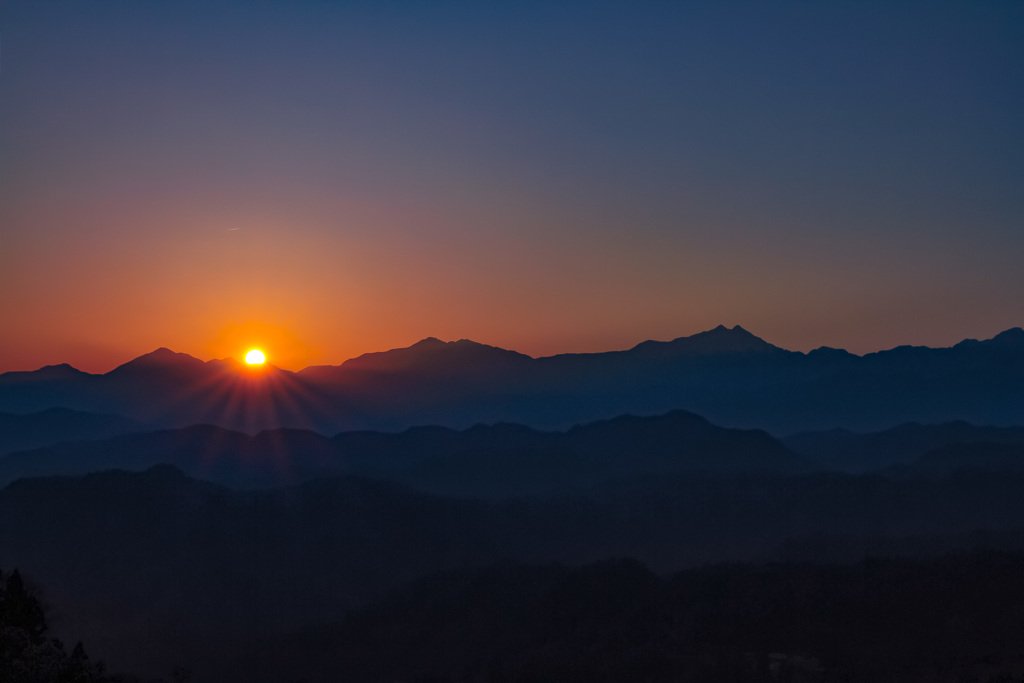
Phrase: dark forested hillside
(955, 618)
(155, 570)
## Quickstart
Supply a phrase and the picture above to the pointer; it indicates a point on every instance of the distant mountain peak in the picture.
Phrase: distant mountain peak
(720, 339)
(62, 371)
(59, 370)
(434, 355)
(429, 343)
(722, 329)
(161, 358)
(433, 343)
(734, 330)
(1011, 337)
(470, 342)
(162, 354)
(830, 352)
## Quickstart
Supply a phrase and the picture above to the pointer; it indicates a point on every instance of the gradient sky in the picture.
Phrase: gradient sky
(330, 178)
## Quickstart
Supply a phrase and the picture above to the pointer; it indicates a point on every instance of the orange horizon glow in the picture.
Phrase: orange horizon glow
(292, 351)
(202, 205)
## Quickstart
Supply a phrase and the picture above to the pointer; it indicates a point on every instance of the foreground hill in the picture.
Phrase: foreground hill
(156, 570)
(729, 375)
(498, 460)
(953, 618)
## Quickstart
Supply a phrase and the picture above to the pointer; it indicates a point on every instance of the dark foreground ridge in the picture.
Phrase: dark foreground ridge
(952, 618)
(155, 570)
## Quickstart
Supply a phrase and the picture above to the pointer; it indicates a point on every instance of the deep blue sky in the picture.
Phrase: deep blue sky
(329, 178)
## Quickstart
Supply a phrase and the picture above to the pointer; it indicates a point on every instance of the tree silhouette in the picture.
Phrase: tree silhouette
(20, 610)
(26, 654)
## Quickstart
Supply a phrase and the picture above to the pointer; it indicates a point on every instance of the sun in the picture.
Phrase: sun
(255, 357)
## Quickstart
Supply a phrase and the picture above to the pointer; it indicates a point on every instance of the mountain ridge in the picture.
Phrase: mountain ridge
(729, 375)
(500, 459)
(731, 340)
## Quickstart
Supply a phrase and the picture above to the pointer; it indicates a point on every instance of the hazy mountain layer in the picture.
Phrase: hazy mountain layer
(55, 425)
(498, 460)
(844, 450)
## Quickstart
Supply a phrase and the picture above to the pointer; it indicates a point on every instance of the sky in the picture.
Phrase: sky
(324, 179)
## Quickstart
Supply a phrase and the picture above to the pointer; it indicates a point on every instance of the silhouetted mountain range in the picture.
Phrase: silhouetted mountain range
(728, 375)
(156, 568)
(484, 460)
(489, 460)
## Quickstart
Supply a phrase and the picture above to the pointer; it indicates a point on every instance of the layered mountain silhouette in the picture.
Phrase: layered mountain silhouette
(484, 460)
(728, 375)
(189, 512)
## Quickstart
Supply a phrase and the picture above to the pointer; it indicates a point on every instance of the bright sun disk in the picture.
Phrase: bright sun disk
(255, 357)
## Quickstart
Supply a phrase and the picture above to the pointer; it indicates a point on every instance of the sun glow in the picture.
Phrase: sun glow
(255, 357)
